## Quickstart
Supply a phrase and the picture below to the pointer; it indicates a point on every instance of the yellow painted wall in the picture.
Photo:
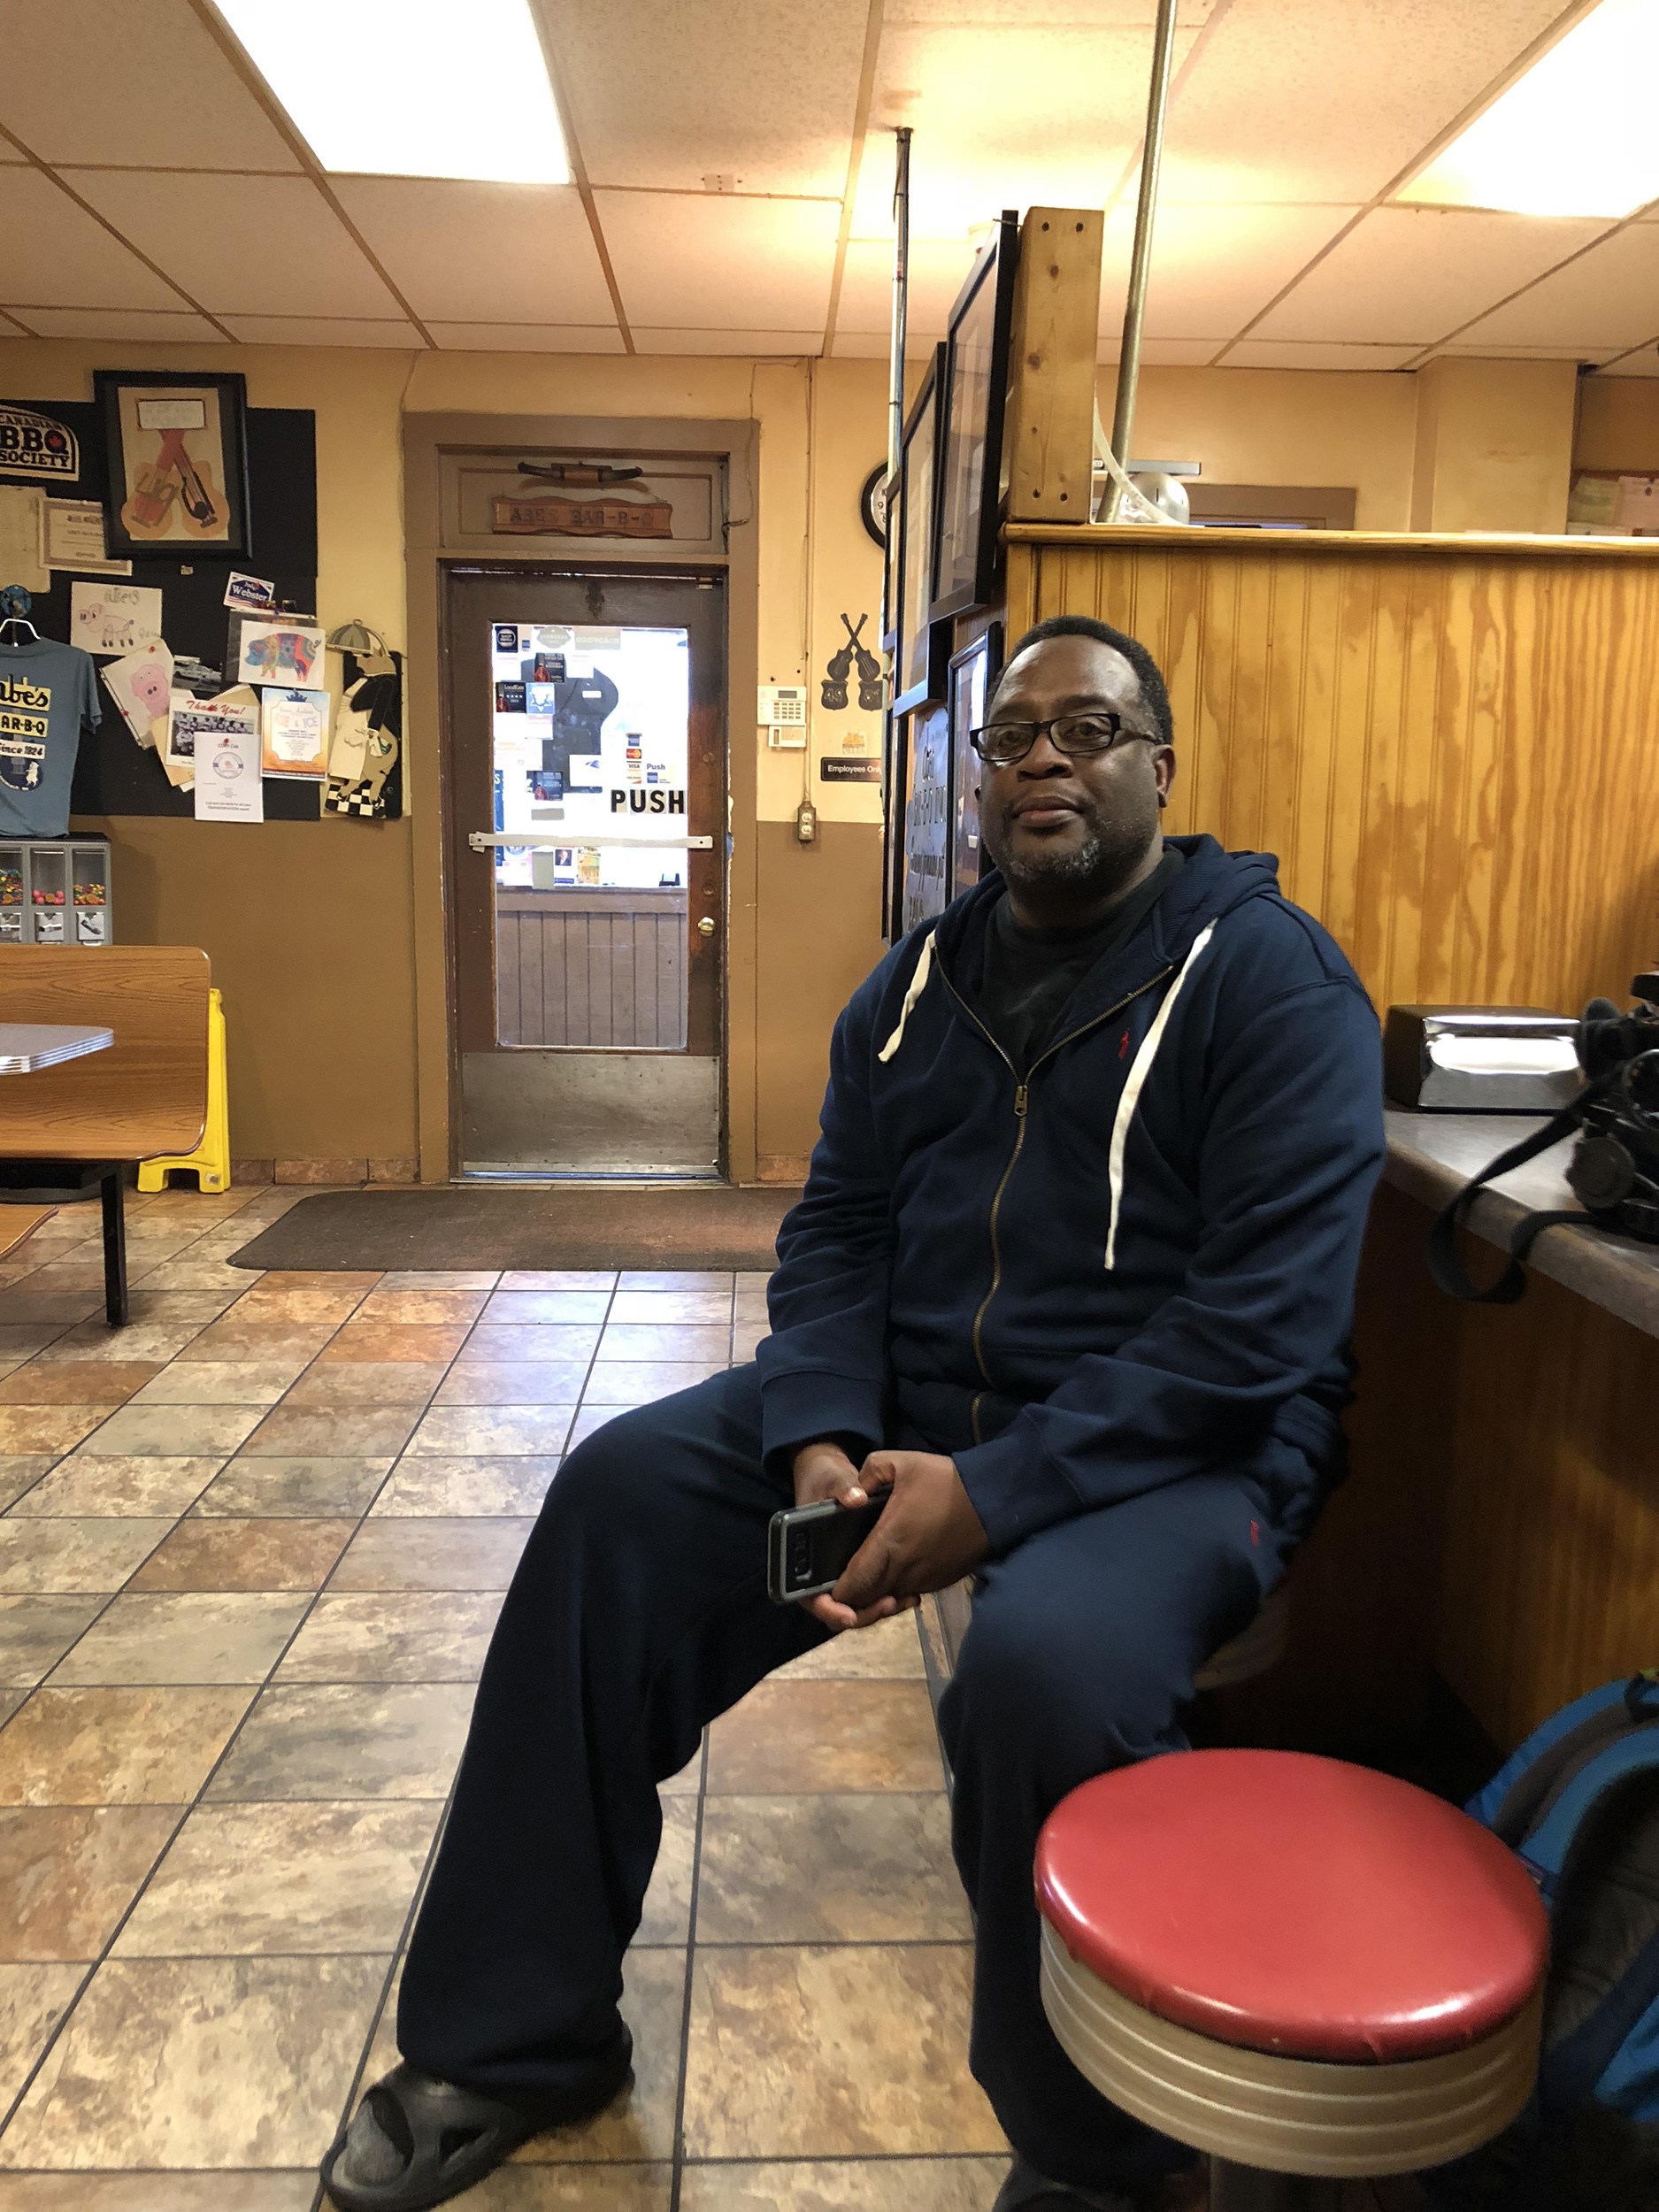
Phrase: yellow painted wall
(1618, 424)
(1493, 445)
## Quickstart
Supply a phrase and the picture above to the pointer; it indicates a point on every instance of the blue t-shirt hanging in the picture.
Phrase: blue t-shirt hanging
(47, 691)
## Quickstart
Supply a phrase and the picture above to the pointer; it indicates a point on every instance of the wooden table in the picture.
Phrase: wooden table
(26, 1046)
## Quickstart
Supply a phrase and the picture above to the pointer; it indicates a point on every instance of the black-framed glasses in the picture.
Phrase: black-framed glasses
(1002, 743)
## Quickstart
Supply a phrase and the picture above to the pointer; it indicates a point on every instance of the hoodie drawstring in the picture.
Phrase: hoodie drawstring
(1139, 1069)
(919, 984)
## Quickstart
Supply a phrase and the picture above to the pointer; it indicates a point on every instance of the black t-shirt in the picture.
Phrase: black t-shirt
(1031, 975)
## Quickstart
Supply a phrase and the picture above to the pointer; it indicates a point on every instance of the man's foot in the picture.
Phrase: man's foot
(415, 2141)
(1026, 2189)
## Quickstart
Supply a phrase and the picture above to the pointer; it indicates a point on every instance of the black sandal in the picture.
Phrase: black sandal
(415, 2141)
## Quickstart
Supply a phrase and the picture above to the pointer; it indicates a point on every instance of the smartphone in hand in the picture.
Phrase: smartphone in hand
(808, 1548)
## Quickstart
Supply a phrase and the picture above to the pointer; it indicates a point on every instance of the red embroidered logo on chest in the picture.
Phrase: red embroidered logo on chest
(1122, 1045)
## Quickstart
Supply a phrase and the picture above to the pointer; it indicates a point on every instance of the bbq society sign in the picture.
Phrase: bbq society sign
(34, 445)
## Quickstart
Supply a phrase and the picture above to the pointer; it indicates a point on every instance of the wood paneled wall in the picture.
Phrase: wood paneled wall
(1452, 745)
(590, 967)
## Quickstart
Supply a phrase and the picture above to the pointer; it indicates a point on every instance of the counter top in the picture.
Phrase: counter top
(1487, 544)
(1431, 1157)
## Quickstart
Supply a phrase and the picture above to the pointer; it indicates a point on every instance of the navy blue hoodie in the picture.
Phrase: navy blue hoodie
(1135, 1266)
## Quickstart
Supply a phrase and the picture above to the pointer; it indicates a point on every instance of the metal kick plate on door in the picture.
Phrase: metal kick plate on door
(482, 840)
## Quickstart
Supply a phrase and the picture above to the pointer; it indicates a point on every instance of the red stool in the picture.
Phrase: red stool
(1301, 1967)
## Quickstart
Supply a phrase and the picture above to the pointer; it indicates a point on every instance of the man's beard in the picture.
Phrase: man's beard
(1097, 864)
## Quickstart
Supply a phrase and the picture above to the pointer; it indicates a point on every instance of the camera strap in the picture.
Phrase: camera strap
(1445, 1265)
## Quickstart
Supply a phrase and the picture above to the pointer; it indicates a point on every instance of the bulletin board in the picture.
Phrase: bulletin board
(113, 775)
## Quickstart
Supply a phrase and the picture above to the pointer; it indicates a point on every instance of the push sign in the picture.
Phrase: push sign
(34, 445)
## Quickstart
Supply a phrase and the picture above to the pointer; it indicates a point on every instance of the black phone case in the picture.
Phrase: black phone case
(833, 1534)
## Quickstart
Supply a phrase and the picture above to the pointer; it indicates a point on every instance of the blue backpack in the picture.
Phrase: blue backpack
(1579, 1804)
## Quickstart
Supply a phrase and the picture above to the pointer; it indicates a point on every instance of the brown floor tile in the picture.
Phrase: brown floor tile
(432, 1485)
(220, 2191)
(39, 1556)
(24, 1338)
(745, 1340)
(302, 1488)
(361, 1281)
(33, 2001)
(278, 2038)
(24, 1305)
(787, 1737)
(557, 1279)
(507, 1430)
(440, 1278)
(666, 1918)
(252, 1880)
(900, 2185)
(195, 1637)
(442, 1308)
(590, 1419)
(327, 1741)
(373, 1382)
(887, 1651)
(363, 1431)
(137, 1342)
(176, 1308)
(54, 1429)
(10, 1700)
(547, 1305)
(403, 1636)
(832, 2053)
(233, 1340)
(425, 1343)
(663, 1308)
(433, 1554)
(225, 1555)
(35, 1632)
(81, 1382)
(570, 1343)
(19, 1471)
(671, 1278)
(829, 1869)
(525, 1382)
(263, 1303)
(86, 1485)
(680, 1340)
(617, 1382)
(205, 1382)
(67, 1873)
(173, 1432)
(116, 1746)
(641, 2123)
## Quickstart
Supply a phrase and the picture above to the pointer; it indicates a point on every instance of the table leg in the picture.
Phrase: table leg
(114, 1247)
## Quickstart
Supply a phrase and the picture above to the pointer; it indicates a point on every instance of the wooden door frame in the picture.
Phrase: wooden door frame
(427, 439)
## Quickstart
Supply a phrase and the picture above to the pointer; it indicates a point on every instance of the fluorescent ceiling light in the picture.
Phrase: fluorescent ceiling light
(1574, 136)
(410, 87)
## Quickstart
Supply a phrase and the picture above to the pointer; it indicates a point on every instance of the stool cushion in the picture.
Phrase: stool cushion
(1292, 1904)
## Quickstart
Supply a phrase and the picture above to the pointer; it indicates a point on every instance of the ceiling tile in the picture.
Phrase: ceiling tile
(53, 254)
(101, 80)
(1213, 268)
(242, 245)
(1283, 353)
(482, 253)
(1608, 297)
(9, 327)
(1643, 363)
(1303, 100)
(526, 338)
(664, 92)
(714, 264)
(876, 345)
(1415, 273)
(1005, 14)
(121, 322)
(729, 343)
(938, 268)
(321, 330)
(1166, 353)
(1594, 354)
(1067, 113)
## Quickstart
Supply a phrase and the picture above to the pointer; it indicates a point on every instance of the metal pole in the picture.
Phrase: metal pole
(1146, 208)
(901, 299)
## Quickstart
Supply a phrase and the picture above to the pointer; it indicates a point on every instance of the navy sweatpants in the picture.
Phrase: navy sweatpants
(639, 1612)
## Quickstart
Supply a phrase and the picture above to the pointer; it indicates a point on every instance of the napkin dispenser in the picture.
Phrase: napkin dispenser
(1480, 1059)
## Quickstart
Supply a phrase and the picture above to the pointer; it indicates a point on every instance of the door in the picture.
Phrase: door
(587, 808)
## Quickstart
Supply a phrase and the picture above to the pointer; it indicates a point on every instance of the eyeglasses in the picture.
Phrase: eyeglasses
(999, 744)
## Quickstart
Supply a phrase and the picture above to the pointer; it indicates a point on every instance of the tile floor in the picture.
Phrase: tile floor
(251, 1547)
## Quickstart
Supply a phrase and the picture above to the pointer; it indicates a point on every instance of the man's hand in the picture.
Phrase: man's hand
(928, 1537)
(824, 1472)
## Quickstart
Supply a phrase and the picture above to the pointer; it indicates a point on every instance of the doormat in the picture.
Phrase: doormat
(718, 1228)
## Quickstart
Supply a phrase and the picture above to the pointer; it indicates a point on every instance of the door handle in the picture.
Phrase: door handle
(705, 927)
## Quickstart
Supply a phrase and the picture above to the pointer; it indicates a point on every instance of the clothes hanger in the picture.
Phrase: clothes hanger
(16, 601)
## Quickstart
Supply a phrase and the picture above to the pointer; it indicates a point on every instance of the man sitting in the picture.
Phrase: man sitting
(1071, 1282)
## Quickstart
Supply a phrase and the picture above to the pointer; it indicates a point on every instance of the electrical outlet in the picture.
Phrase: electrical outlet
(805, 823)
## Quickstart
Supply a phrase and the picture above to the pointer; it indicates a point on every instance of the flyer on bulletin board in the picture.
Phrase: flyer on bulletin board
(226, 749)
(295, 726)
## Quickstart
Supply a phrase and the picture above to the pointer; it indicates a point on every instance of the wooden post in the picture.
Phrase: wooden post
(1051, 364)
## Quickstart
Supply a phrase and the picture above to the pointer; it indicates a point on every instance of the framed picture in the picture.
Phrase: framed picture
(972, 672)
(178, 452)
(970, 428)
(922, 650)
(923, 886)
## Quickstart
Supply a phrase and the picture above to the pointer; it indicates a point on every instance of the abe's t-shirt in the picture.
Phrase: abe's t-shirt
(47, 691)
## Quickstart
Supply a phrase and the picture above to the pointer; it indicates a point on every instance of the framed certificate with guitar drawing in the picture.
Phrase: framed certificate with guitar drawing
(178, 453)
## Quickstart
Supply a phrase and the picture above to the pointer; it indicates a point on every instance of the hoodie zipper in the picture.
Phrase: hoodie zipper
(1022, 1099)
